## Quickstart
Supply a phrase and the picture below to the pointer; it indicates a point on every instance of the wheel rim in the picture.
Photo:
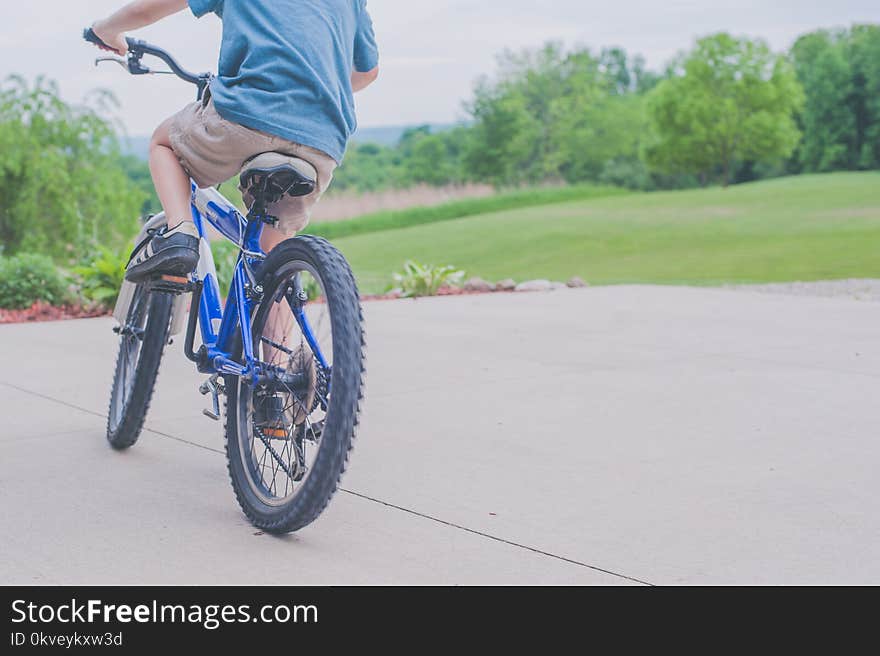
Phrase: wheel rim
(278, 457)
(130, 349)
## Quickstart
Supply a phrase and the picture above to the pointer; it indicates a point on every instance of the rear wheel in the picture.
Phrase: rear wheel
(288, 438)
(142, 343)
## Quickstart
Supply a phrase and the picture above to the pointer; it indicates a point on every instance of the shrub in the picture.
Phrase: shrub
(28, 278)
(425, 280)
(101, 279)
(627, 173)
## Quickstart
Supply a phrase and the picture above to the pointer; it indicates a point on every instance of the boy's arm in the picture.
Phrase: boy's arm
(132, 16)
(360, 81)
(366, 52)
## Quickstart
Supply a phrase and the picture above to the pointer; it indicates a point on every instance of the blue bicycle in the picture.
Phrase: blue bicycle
(286, 351)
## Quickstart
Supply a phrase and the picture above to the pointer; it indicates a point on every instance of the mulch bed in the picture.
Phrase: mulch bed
(40, 311)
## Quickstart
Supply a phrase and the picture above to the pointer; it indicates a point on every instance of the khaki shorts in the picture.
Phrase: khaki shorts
(213, 150)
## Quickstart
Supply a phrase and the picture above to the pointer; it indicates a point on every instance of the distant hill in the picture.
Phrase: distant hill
(384, 136)
(137, 146)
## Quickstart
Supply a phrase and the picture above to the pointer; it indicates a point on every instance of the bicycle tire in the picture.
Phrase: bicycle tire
(342, 416)
(130, 400)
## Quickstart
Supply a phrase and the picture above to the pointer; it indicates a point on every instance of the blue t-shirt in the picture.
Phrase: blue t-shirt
(285, 66)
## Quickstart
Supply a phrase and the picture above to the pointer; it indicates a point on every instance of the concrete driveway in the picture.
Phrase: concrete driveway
(599, 436)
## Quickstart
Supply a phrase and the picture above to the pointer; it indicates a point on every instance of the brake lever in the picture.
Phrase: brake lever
(116, 60)
(131, 65)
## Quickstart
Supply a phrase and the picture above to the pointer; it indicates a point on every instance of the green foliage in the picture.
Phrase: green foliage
(368, 167)
(138, 171)
(434, 159)
(729, 99)
(28, 278)
(311, 286)
(553, 114)
(458, 209)
(627, 172)
(865, 61)
(419, 280)
(840, 73)
(590, 133)
(61, 186)
(225, 258)
(421, 157)
(102, 277)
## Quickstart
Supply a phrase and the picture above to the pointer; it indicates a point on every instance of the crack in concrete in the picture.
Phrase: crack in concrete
(365, 497)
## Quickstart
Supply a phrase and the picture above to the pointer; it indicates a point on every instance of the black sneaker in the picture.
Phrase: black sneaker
(170, 252)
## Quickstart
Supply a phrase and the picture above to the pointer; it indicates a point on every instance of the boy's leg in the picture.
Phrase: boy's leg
(272, 237)
(170, 179)
(176, 251)
(280, 323)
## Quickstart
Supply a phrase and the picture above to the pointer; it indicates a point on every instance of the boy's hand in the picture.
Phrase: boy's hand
(133, 16)
(116, 42)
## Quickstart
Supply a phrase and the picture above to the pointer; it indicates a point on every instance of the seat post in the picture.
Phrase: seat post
(260, 207)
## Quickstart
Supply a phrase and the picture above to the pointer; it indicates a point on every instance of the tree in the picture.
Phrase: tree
(368, 167)
(552, 114)
(62, 189)
(504, 146)
(433, 160)
(512, 141)
(827, 120)
(840, 74)
(864, 55)
(728, 100)
(598, 119)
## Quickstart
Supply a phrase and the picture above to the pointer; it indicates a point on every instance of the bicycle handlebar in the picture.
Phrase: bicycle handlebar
(137, 49)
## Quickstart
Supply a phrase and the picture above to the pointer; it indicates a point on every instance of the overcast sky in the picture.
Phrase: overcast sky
(431, 51)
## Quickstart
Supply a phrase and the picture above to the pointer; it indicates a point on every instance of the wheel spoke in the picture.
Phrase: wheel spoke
(274, 455)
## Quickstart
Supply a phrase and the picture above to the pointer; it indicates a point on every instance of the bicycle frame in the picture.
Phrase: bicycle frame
(219, 324)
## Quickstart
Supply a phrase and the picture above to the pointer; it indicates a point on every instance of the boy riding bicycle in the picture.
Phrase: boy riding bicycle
(288, 70)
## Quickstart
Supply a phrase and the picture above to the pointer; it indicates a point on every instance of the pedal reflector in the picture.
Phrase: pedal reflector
(275, 432)
(176, 279)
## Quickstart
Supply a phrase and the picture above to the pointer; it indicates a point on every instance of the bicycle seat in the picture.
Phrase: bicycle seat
(267, 178)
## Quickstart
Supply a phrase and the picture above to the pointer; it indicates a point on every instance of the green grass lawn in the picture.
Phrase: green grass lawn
(394, 219)
(801, 228)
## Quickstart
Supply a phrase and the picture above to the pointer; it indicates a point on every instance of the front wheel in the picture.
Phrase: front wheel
(288, 437)
(142, 343)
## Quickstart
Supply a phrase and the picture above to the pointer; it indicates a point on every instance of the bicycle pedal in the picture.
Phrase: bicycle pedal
(172, 285)
(211, 387)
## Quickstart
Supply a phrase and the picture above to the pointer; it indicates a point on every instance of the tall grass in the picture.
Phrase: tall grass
(392, 220)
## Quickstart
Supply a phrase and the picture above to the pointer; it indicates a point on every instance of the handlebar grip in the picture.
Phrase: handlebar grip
(90, 36)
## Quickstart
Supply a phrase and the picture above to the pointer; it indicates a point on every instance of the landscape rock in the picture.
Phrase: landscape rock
(576, 283)
(506, 285)
(535, 286)
(478, 285)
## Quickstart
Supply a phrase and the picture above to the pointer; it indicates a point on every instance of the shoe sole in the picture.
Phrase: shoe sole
(173, 261)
